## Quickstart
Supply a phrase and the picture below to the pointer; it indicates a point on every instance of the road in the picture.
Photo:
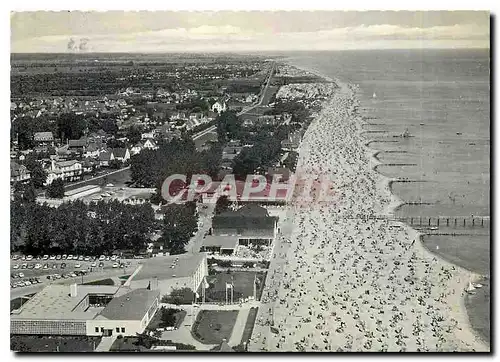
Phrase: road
(264, 98)
(205, 223)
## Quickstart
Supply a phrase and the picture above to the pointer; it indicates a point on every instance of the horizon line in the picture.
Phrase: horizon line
(253, 51)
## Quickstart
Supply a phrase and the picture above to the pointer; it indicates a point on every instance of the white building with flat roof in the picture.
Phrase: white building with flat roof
(91, 310)
(172, 272)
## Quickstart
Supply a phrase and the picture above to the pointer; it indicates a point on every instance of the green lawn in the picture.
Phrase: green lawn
(242, 281)
(212, 326)
(29, 343)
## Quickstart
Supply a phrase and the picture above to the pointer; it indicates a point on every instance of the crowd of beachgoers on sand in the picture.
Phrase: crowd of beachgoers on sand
(353, 278)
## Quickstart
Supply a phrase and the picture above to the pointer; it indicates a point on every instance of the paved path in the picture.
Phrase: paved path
(205, 223)
(273, 279)
(106, 343)
(239, 327)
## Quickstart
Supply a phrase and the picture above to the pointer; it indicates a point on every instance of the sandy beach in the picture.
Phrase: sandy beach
(354, 279)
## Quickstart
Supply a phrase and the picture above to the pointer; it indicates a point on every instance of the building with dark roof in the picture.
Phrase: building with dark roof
(250, 224)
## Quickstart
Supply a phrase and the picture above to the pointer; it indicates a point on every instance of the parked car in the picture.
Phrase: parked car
(80, 258)
(107, 258)
(77, 265)
(113, 257)
(23, 257)
(70, 257)
(38, 266)
(101, 264)
(21, 275)
(54, 266)
(63, 265)
(24, 266)
(29, 257)
(116, 265)
(46, 266)
(58, 257)
(52, 257)
(93, 265)
(102, 258)
(15, 266)
(45, 257)
(64, 257)
(73, 275)
(31, 266)
(87, 258)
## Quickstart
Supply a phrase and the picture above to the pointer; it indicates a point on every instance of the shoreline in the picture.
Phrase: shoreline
(397, 202)
(463, 336)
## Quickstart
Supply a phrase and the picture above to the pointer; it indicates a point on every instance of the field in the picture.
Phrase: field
(212, 326)
(28, 343)
(243, 285)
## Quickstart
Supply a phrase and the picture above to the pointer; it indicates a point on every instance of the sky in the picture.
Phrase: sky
(240, 31)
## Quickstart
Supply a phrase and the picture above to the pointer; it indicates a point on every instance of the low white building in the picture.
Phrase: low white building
(88, 310)
(172, 272)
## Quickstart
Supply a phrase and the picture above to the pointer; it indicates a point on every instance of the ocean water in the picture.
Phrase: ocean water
(442, 98)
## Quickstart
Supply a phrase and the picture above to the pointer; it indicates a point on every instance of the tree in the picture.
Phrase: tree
(168, 317)
(38, 174)
(179, 296)
(115, 164)
(222, 204)
(228, 126)
(134, 135)
(180, 222)
(56, 189)
(71, 126)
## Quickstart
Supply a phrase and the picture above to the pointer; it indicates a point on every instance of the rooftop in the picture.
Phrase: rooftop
(82, 189)
(131, 306)
(225, 242)
(161, 266)
(55, 302)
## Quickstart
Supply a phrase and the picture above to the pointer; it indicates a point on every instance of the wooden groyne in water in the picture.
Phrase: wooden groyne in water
(447, 221)
(435, 221)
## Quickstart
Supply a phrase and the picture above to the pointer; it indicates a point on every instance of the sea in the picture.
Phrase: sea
(428, 113)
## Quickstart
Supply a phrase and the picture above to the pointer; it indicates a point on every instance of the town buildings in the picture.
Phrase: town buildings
(19, 173)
